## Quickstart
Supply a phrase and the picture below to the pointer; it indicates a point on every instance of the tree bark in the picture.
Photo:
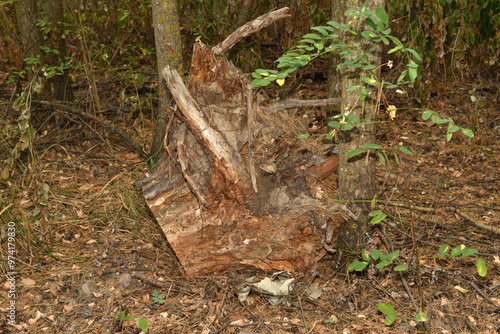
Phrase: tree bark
(31, 36)
(58, 86)
(216, 213)
(357, 175)
(334, 86)
(168, 53)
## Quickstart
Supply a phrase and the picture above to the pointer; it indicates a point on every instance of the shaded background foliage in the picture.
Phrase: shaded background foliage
(451, 34)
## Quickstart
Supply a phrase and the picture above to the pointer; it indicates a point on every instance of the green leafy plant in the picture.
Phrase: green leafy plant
(437, 119)
(384, 261)
(389, 311)
(356, 56)
(390, 314)
(142, 323)
(158, 298)
(462, 250)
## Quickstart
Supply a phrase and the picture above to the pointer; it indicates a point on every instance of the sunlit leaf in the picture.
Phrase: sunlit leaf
(444, 249)
(386, 308)
(468, 132)
(422, 316)
(482, 270)
(457, 250)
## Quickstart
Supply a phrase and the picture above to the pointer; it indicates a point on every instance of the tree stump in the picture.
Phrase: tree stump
(222, 207)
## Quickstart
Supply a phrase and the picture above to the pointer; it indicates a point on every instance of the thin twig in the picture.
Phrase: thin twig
(484, 295)
(474, 222)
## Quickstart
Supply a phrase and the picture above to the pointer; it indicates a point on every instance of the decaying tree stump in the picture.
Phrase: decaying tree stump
(221, 207)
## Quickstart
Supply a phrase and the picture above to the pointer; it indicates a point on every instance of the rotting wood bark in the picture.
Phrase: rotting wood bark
(224, 157)
(220, 211)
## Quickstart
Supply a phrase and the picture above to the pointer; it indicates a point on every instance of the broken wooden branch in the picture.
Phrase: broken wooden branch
(224, 157)
(250, 28)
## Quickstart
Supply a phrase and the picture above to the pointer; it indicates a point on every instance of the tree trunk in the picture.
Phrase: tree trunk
(357, 175)
(31, 36)
(334, 86)
(168, 53)
(58, 86)
(220, 206)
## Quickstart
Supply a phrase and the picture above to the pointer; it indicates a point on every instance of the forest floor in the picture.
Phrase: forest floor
(95, 251)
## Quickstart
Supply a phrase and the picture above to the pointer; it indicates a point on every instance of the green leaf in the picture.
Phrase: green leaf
(422, 316)
(355, 152)
(334, 124)
(368, 34)
(256, 75)
(381, 157)
(305, 135)
(386, 308)
(376, 254)
(376, 220)
(390, 318)
(365, 255)
(468, 252)
(402, 76)
(400, 267)
(368, 67)
(415, 54)
(394, 49)
(362, 93)
(441, 120)
(322, 30)
(319, 46)
(405, 150)
(382, 264)
(143, 324)
(370, 81)
(140, 78)
(457, 250)
(393, 255)
(262, 72)
(312, 36)
(452, 127)
(354, 88)
(382, 15)
(444, 249)
(468, 132)
(371, 145)
(307, 40)
(412, 73)
(374, 213)
(357, 265)
(482, 270)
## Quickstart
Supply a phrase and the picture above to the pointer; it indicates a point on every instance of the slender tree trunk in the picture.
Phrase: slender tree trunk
(59, 86)
(31, 36)
(357, 177)
(334, 87)
(168, 52)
